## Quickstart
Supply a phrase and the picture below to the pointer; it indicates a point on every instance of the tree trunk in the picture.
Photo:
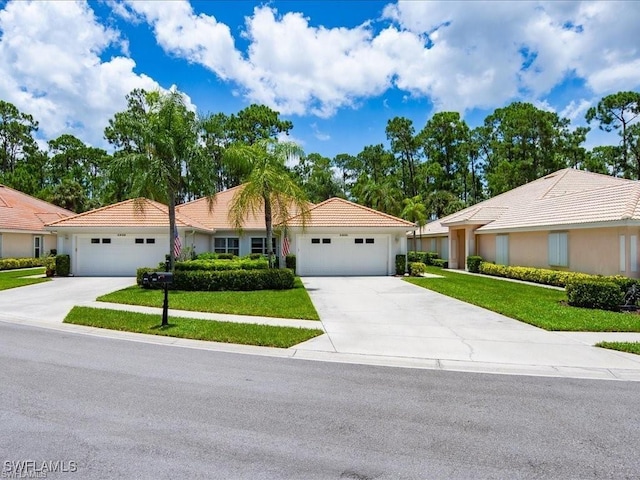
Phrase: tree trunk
(269, 225)
(172, 231)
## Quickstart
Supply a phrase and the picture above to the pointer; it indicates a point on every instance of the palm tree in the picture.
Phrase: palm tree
(268, 185)
(158, 140)
(414, 211)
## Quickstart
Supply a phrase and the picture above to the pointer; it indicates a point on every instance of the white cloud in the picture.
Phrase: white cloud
(323, 137)
(56, 74)
(575, 110)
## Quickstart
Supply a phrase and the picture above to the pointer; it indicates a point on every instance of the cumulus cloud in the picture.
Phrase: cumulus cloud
(56, 74)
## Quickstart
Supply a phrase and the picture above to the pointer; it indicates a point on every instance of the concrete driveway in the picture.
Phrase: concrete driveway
(51, 301)
(387, 317)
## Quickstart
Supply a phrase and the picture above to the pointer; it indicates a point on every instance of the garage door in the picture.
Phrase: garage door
(342, 255)
(118, 256)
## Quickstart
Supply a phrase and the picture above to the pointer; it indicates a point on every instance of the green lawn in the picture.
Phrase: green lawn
(629, 347)
(538, 306)
(213, 331)
(294, 303)
(12, 278)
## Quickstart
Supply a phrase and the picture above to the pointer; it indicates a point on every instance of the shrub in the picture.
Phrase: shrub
(13, 263)
(549, 277)
(439, 262)
(234, 280)
(414, 256)
(290, 261)
(473, 263)
(401, 264)
(429, 257)
(63, 265)
(50, 266)
(255, 256)
(226, 256)
(417, 268)
(602, 294)
(206, 256)
(236, 264)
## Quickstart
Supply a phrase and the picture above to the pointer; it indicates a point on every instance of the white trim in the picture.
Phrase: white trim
(633, 253)
(567, 226)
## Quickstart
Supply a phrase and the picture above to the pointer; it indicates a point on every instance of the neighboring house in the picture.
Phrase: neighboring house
(22, 224)
(568, 220)
(340, 238)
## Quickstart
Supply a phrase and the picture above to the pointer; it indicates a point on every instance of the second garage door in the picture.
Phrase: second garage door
(351, 255)
(112, 255)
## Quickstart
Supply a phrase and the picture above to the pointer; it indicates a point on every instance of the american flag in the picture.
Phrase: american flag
(177, 245)
(285, 246)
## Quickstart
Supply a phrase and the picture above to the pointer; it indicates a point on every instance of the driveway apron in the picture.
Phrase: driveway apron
(388, 317)
(51, 301)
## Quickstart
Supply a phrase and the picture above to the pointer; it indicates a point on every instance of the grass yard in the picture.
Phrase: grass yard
(294, 303)
(629, 347)
(12, 278)
(535, 305)
(213, 331)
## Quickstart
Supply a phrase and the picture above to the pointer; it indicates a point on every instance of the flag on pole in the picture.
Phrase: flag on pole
(285, 246)
(177, 245)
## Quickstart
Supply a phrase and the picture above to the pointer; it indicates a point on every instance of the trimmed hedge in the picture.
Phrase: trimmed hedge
(234, 280)
(218, 265)
(425, 257)
(549, 277)
(401, 264)
(417, 268)
(601, 294)
(63, 265)
(290, 261)
(473, 263)
(13, 263)
(439, 262)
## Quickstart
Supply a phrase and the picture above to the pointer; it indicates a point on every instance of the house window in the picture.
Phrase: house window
(151, 240)
(95, 240)
(502, 249)
(633, 253)
(259, 245)
(139, 240)
(623, 252)
(369, 240)
(227, 245)
(37, 246)
(326, 240)
(558, 249)
(315, 240)
(358, 240)
(106, 240)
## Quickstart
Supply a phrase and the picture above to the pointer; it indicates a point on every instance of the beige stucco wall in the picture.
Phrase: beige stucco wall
(17, 245)
(593, 250)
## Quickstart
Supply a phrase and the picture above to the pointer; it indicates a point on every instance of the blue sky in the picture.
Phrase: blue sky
(339, 70)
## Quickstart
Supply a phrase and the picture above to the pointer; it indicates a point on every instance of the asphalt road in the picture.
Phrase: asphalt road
(122, 409)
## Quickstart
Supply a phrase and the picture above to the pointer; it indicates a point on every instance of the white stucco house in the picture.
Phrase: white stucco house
(338, 238)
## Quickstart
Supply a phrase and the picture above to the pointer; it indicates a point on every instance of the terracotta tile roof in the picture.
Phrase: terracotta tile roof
(19, 211)
(566, 197)
(215, 217)
(140, 212)
(337, 212)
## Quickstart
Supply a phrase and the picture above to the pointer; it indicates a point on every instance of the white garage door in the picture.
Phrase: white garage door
(336, 255)
(118, 256)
